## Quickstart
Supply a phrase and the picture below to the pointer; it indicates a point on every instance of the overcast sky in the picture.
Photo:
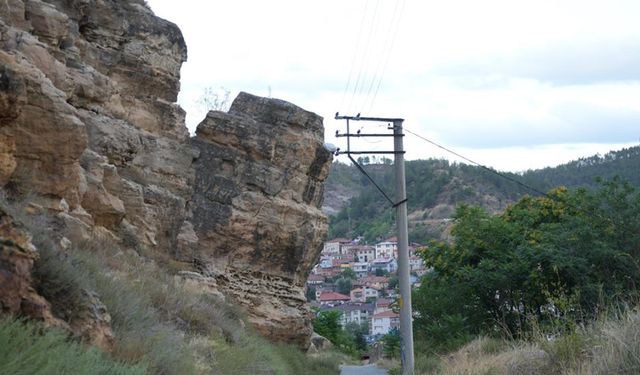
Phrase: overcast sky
(512, 84)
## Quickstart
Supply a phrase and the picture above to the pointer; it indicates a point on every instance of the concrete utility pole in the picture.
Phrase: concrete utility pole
(400, 204)
(404, 280)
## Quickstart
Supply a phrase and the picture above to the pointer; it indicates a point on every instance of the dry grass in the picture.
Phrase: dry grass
(607, 347)
(160, 321)
(26, 348)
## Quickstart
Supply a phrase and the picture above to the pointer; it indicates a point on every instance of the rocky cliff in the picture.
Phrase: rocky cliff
(91, 135)
(256, 208)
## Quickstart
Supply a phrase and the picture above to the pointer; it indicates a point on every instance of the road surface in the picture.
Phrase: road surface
(362, 370)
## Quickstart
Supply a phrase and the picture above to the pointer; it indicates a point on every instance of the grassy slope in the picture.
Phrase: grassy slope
(25, 349)
(161, 323)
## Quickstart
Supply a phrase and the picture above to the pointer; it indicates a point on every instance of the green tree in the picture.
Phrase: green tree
(380, 272)
(327, 324)
(391, 344)
(357, 334)
(344, 285)
(557, 258)
(310, 293)
(393, 281)
(348, 273)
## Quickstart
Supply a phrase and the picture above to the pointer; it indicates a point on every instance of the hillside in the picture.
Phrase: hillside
(584, 171)
(435, 187)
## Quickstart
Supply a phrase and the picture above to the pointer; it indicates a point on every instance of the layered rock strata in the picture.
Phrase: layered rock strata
(88, 122)
(256, 208)
(17, 294)
(91, 134)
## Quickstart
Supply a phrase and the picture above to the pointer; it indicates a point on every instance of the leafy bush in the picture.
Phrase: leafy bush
(391, 342)
(563, 256)
(327, 324)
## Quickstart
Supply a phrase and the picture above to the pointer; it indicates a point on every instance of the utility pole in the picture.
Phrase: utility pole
(400, 204)
(404, 280)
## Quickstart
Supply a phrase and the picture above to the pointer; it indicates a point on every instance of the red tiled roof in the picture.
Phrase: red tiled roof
(339, 240)
(315, 278)
(383, 302)
(386, 314)
(374, 279)
(333, 296)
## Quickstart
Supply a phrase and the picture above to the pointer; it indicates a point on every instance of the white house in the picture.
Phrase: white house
(370, 292)
(383, 322)
(365, 254)
(354, 312)
(361, 269)
(335, 247)
(415, 263)
(387, 248)
(315, 280)
(386, 264)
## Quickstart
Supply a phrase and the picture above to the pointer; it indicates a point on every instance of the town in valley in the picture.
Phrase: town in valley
(360, 281)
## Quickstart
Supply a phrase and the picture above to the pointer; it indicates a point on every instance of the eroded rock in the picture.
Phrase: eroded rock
(91, 133)
(17, 294)
(256, 208)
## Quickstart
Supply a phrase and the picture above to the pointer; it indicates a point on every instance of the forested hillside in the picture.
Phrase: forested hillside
(583, 172)
(435, 187)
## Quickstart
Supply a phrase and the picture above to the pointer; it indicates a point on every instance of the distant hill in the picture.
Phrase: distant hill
(435, 187)
(584, 171)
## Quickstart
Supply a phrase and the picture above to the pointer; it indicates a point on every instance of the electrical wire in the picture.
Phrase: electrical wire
(355, 55)
(491, 170)
(393, 30)
(393, 204)
(365, 54)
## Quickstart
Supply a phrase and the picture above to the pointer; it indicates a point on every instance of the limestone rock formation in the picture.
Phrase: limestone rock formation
(91, 134)
(87, 115)
(319, 343)
(17, 295)
(256, 208)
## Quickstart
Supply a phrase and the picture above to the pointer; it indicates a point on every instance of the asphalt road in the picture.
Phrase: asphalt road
(362, 370)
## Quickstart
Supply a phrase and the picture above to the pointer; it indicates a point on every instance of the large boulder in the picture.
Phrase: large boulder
(256, 208)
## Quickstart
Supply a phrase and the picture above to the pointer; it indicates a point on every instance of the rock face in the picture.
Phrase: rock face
(17, 295)
(90, 132)
(87, 115)
(256, 208)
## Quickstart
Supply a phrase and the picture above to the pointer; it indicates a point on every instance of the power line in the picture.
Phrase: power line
(365, 54)
(382, 54)
(493, 171)
(388, 57)
(355, 55)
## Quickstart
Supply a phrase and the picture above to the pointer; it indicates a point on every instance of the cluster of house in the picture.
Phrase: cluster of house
(371, 299)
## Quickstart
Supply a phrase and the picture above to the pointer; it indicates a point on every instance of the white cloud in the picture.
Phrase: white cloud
(505, 80)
